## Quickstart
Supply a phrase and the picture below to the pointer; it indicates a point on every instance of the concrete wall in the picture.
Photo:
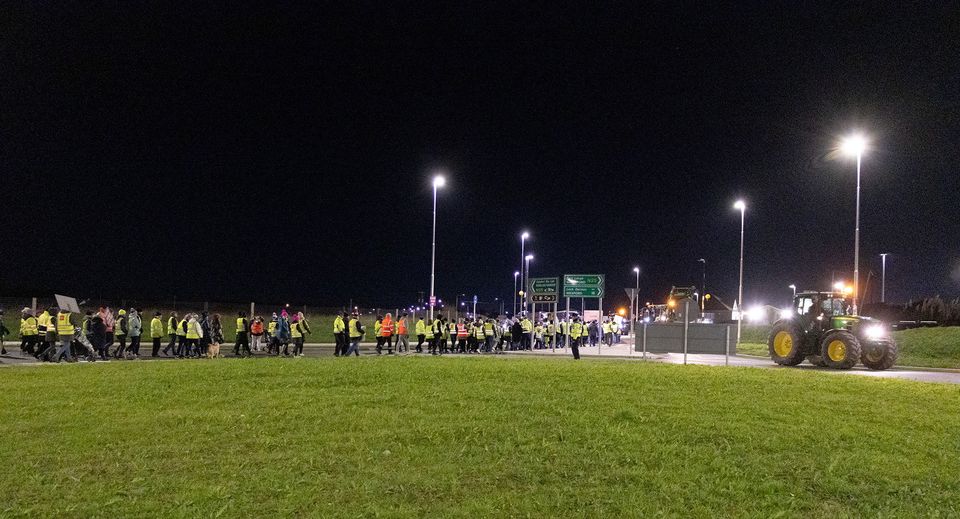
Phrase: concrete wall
(701, 338)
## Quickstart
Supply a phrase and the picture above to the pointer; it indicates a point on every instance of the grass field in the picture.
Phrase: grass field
(471, 437)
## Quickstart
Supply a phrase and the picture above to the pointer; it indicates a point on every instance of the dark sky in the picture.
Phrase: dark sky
(267, 152)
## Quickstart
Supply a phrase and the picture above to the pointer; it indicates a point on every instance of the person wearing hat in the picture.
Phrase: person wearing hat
(29, 334)
(120, 333)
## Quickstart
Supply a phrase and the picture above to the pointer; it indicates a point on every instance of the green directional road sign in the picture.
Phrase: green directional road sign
(577, 291)
(543, 285)
(544, 290)
(583, 285)
(583, 279)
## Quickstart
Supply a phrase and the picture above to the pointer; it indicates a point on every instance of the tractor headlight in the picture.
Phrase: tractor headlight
(786, 313)
(875, 332)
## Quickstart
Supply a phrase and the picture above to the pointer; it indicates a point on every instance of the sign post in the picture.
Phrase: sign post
(584, 286)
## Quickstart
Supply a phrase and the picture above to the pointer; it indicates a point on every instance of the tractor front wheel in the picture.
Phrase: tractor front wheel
(786, 344)
(879, 355)
(840, 349)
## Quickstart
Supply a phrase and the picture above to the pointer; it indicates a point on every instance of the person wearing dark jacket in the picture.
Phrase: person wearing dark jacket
(98, 336)
(516, 332)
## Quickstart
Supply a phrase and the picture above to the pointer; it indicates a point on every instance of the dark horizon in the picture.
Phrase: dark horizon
(285, 154)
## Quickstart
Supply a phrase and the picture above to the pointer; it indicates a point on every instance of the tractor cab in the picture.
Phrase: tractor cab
(821, 307)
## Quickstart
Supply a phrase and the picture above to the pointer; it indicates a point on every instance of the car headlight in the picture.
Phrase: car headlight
(875, 332)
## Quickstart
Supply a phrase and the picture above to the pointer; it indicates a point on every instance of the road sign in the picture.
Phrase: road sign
(583, 279)
(578, 291)
(544, 298)
(583, 285)
(543, 285)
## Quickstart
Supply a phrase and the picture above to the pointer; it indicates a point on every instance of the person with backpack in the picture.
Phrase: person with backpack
(256, 334)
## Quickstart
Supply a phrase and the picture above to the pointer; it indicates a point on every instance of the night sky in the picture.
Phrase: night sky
(265, 152)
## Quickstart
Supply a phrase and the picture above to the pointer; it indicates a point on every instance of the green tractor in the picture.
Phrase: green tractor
(820, 329)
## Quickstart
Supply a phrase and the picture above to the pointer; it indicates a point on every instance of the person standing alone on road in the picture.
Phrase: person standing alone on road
(576, 332)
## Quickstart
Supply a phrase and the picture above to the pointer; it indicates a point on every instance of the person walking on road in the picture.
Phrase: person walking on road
(242, 328)
(29, 333)
(403, 338)
(304, 328)
(134, 330)
(421, 331)
(156, 333)
(339, 337)
(120, 333)
(355, 330)
(256, 334)
(65, 327)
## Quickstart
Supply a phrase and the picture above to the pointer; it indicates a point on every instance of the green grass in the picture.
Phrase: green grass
(930, 347)
(471, 437)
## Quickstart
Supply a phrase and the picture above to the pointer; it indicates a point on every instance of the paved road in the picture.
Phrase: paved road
(620, 352)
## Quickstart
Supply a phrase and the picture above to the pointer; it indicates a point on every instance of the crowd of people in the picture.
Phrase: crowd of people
(57, 335)
(478, 335)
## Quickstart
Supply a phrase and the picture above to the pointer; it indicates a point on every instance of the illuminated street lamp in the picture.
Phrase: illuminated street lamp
(742, 206)
(883, 277)
(855, 146)
(438, 182)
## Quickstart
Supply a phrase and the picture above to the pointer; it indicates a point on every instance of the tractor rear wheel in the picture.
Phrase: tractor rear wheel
(786, 344)
(816, 360)
(879, 355)
(840, 349)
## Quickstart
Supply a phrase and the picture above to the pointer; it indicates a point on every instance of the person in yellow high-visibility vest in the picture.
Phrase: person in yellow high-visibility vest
(339, 337)
(66, 327)
(156, 333)
(171, 346)
(29, 334)
(243, 327)
(355, 330)
(421, 331)
(576, 332)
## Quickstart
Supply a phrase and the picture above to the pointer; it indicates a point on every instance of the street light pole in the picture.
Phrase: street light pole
(438, 181)
(703, 287)
(527, 259)
(854, 145)
(794, 288)
(523, 273)
(883, 278)
(743, 210)
(515, 294)
(634, 306)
